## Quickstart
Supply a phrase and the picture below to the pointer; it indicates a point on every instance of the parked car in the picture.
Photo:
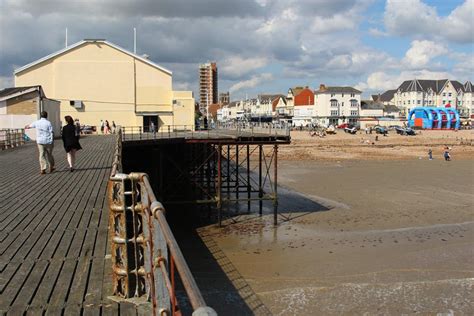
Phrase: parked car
(405, 131)
(351, 130)
(343, 125)
(380, 130)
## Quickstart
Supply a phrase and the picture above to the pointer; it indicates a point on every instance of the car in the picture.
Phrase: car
(405, 131)
(350, 130)
(380, 130)
(87, 129)
(343, 125)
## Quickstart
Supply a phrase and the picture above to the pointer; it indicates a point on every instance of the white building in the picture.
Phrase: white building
(336, 105)
(436, 93)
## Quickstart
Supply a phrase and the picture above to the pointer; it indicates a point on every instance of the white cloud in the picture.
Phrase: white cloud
(252, 82)
(381, 81)
(377, 32)
(236, 66)
(421, 53)
(6, 82)
(414, 18)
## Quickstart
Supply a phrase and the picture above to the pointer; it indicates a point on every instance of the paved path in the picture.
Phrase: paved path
(53, 232)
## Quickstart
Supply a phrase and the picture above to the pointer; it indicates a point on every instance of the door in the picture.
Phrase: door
(147, 123)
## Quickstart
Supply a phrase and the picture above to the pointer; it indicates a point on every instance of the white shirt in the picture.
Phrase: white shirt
(44, 131)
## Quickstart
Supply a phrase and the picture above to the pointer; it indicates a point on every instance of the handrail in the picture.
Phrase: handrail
(237, 129)
(129, 244)
(11, 137)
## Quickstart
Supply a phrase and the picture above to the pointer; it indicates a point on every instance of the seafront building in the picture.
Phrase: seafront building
(437, 93)
(208, 86)
(302, 100)
(336, 105)
(97, 80)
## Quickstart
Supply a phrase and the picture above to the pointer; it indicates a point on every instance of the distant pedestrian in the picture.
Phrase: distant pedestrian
(102, 126)
(45, 141)
(107, 127)
(430, 154)
(78, 127)
(152, 127)
(447, 155)
(114, 127)
(70, 142)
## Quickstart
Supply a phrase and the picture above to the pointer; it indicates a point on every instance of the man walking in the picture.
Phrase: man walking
(45, 141)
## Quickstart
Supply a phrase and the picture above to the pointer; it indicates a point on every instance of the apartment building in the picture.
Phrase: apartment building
(437, 93)
(336, 105)
(208, 88)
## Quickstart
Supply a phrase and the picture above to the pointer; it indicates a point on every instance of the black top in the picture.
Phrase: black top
(70, 140)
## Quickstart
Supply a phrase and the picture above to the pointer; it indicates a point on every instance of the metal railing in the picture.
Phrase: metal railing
(131, 133)
(144, 251)
(11, 137)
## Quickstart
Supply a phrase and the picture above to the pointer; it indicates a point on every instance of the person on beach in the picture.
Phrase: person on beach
(114, 127)
(447, 155)
(102, 126)
(70, 141)
(45, 142)
(430, 154)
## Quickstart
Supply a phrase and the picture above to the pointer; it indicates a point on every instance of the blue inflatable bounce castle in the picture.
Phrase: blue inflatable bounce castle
(434, 118)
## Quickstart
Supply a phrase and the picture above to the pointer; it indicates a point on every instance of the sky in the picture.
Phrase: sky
(260, 46)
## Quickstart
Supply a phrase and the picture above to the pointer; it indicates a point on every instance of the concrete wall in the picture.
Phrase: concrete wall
(54, 114)
(18, 121)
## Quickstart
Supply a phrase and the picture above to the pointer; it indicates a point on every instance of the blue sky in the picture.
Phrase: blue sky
(261, 46)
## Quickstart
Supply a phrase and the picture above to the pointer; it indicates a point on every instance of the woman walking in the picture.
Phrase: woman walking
(70, 141)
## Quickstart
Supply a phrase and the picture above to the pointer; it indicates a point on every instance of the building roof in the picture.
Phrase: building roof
(425, 85)
(9, 93)
(468, 86)
(389, 108)
(387, 96)
(86, 41)
(297, 90)
(335, 89)
(269, 97)
(371, 105)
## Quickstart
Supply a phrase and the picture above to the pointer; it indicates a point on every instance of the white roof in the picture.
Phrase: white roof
(70, 47)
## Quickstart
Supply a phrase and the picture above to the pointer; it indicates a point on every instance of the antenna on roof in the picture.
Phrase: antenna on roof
(65, 42)
(134, 40)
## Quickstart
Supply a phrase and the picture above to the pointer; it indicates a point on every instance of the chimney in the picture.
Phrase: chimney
(322, 87)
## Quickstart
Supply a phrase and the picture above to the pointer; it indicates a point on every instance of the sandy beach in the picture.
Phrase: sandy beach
(363, 229)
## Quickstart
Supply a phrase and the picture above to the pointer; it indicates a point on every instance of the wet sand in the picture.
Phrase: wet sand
(360, 237)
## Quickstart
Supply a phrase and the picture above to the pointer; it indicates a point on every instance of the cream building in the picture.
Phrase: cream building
(436, 93)
(337, 105)
(98, 80)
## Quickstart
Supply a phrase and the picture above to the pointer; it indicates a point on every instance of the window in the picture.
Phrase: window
(334, 112)
(353, 95)
(444, 101)
(332, 95)
(354, 104)
(343, 95)
(418, 102)
(444, 94)
(408, 101)
(354, 113)
(449, 94)
(334, 103)
(342, 104)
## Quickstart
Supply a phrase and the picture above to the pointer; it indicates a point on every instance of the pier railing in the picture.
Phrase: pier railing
(132, 133)
(11, 137)
(145, 254)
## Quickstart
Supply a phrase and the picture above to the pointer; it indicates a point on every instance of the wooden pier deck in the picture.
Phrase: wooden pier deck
(53, 233)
